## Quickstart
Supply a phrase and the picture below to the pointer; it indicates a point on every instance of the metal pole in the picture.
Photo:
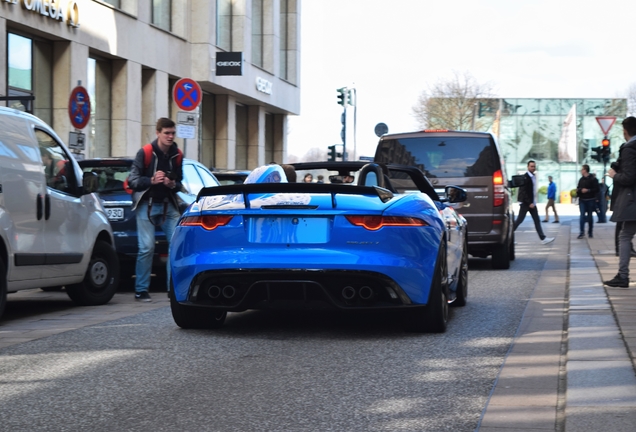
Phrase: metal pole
(344, 133)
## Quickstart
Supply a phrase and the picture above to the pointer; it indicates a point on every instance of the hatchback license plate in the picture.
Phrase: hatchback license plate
(115, 213)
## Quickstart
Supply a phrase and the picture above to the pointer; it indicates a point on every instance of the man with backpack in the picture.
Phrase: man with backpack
(155, 178)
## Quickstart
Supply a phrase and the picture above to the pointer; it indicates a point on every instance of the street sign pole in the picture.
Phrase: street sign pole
(187, 94)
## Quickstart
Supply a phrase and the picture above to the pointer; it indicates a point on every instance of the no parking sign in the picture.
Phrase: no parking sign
(186, 93)
(79, 107)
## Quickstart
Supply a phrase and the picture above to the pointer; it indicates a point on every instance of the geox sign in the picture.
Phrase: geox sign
(229, 63)
(58, 10)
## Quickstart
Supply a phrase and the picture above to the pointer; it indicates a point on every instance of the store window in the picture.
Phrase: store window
(161, 13)
(20, 72)
(257, 32)
(99, 90)
(224, 24)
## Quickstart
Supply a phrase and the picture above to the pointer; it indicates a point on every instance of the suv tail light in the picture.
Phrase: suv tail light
(498, 188)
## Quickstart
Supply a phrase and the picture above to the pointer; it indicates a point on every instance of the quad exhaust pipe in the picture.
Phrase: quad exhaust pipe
(228, 291)
(349, 293)
(365, 293)
(214, 292)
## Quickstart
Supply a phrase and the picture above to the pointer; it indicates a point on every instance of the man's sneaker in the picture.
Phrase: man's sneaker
(143, 296)
(544, 221)
(581, 236)
(590, 235)
(555, 221)
(618, 282)
(547, 240)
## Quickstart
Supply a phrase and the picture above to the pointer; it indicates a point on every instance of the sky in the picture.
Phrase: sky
(391, 51)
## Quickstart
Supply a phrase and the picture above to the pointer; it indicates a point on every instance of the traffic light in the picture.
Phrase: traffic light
(606, 149)
(351, 97)
(342, 96)
(332, 153)
(599, 154)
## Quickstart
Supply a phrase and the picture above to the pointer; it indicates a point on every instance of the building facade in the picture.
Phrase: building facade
(128, 54)
(559, 134)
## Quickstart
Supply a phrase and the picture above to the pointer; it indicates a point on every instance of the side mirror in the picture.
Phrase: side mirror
(90, 182)
(455, 194)
(517, 181)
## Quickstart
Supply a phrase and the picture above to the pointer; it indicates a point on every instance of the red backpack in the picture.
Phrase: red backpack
(147, 158)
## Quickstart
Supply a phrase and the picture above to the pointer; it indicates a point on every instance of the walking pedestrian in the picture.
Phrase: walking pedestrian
(586, 190)
(623, 172)
(552, 189)
(528, 202)
(309, 178)
(155, 202)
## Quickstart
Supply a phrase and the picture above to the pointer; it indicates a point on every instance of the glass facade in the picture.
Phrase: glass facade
(559, 134)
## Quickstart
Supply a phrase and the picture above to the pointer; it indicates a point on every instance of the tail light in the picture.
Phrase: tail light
(374, 223)
(208, 222)
(498, 188)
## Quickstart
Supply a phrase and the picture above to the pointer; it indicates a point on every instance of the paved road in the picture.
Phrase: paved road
(273, 371)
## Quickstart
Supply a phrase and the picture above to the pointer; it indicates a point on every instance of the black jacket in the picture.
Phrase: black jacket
(526, 192)
(591, 184)
(140, 176)
(624, 205)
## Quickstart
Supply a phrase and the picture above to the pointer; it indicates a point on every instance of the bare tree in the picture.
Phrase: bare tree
(453, 103)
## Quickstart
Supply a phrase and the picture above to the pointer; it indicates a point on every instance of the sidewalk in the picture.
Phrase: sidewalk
(571, 366)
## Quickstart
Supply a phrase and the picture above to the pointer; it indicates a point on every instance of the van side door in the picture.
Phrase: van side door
(67, 239)
(21, 200)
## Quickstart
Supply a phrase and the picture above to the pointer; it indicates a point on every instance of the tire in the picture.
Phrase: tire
(52, 288)
(3, 286)
(512, 248)
(501, 256)
(433, 318)
(462, 284)
(101, 280)
(192, 317)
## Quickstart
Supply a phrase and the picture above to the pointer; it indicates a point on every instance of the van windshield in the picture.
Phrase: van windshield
(442, 156)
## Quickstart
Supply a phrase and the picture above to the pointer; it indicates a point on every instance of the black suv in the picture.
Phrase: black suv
(473, 161)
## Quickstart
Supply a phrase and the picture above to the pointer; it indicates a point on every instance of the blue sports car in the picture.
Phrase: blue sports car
(371, 237)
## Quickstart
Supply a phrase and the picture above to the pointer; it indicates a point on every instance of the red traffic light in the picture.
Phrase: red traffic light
(605, 142)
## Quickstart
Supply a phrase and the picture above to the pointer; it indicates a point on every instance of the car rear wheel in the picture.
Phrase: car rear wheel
(101, 279)
(501, 256)
(434, 317)
(192, 317)
(462, 284)
(3, 286)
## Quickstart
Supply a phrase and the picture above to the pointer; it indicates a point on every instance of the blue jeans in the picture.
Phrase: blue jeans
(146, 240)
(586, 207)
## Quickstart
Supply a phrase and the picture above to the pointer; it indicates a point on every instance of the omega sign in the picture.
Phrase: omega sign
(58, 10)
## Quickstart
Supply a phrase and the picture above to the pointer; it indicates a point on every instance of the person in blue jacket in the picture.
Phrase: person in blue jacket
(552, 190)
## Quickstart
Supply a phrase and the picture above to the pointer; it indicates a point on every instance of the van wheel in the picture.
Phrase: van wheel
(433, 318)
(101, 279)
(501, 256)
(3, 286)
(512, 248)
(192, 317)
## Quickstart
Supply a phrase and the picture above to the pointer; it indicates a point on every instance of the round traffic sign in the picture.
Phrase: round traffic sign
(187, 94)
(79, 107)
(381, 129)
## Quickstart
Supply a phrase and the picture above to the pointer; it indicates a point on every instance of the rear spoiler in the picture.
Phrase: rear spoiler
(313, 188)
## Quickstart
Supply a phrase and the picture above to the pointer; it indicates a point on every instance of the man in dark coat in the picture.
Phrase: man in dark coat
(528, 202)
(586, 190)
(623, 172)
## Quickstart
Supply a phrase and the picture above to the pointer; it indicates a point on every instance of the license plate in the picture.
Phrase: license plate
(289, 230)
(115, 213)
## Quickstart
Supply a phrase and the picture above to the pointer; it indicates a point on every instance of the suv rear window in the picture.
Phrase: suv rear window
(442, 156)
(110, 177)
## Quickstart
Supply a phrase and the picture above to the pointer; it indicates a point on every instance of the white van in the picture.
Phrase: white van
(52, 231)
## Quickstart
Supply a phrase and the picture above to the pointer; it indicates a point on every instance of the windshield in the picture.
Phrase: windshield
(110, 178)
(442, 156)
